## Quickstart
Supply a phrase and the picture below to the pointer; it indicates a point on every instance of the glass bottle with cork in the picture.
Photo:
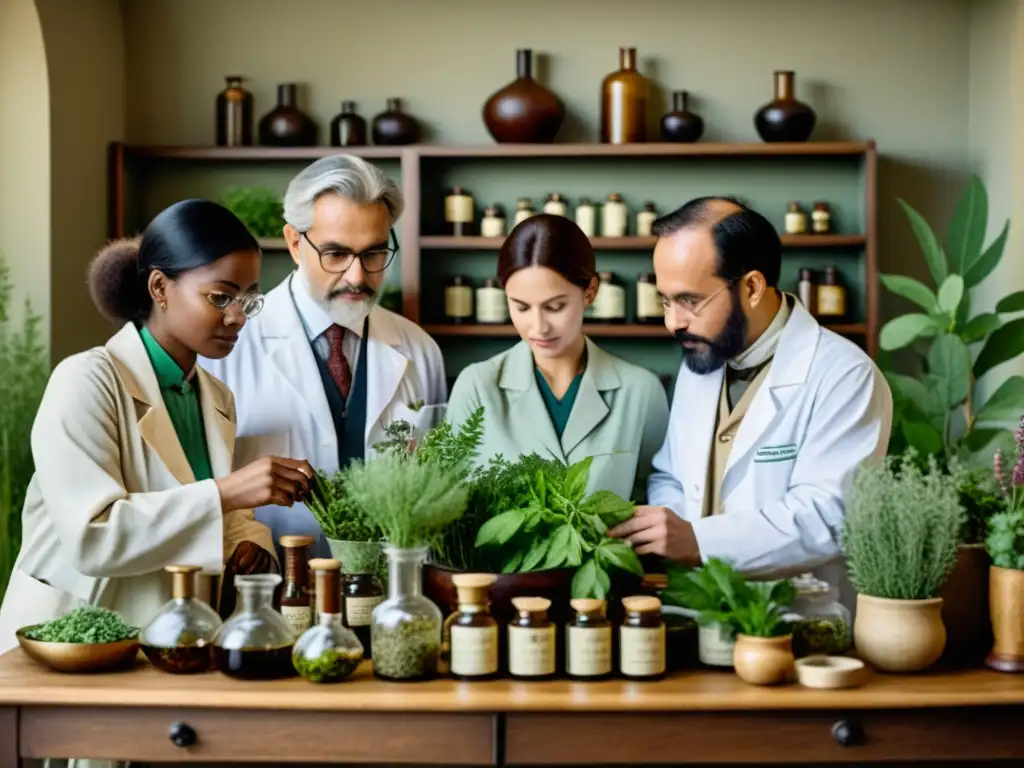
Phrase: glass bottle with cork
(493, 222)
(614, 217)
(831, 297)
(178, 638)
(586, 217)
(361, 587)
(821, 219)
(588, 641)
(471, 630)
(491, 304)
(327, 652)
(459, 213)
(645, 220)
(524, 210)
(295, 602)
(648, 303)
(531, 640)
(642, 639)
(555, 205)
(458, 300)
(796, 220)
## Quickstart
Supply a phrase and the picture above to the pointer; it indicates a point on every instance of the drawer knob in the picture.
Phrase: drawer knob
(182, 735)
(847, 733)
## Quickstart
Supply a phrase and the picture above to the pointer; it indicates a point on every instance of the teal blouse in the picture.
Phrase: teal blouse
(182, 400)
(558, 410)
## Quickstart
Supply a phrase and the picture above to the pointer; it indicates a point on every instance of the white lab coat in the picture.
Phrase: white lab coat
(281, 404)
(823, 410)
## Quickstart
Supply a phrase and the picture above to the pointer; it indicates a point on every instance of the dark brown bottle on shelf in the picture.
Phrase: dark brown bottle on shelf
(234, 114)
(296, 604)
(785, 118)
(286, 125)
(624, 95)
(363, 592)
(347, 128)
(831, 298)
(393, 127)
(524, 111)
(681, 125)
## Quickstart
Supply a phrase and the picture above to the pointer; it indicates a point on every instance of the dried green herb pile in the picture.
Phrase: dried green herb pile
(407, 651)
(89, 624)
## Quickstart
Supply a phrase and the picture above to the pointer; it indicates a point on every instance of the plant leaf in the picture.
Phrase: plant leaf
(535, 556)
(900, 331)
(965, 235)
(933, 254)
(512, 565)
(1006, 405)
(989, 259)
(584, 582)
(913, 289)
(915, 391)
(979, 327)
(950, 360)
(922, 435)
(950, 294)
(980, 445)
(574, 547)
(614, 553)
(500, 528)
(575, 483)
(558, 550)
(611, 508)
(1013, 302)
(1004, 344)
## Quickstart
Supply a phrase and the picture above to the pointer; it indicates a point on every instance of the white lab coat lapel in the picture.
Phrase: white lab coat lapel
(385, 368)
(695, 415)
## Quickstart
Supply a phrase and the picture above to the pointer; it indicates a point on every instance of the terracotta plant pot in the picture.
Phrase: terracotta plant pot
(763, 660)
(1006, 604)
(899, 635)
(965, 611)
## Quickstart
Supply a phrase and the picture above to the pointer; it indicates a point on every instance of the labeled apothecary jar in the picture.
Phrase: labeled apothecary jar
(491, 303)
(406, 628)
(524, 210)
(649, 308)
(588, 641)
(556, 205)
(327, 652)
(360, 587)
(178, 639)
(458, 300)
(586, 216)
(532, 644)
(821, 624)
(642, 649)
(493, 222)
(610, 303)
(256, 642)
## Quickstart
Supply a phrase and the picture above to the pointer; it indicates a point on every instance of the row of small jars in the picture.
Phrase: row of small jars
(472, 638)
(460, 215)
(487, 305)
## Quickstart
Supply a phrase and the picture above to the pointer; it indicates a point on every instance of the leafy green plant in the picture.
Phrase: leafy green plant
(980, 498)
(24, 361)
(339, 516)
(938, 410)
(259, 208)
(1005, 540)
(902, 527)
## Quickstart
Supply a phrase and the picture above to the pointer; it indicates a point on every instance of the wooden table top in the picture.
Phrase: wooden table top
(23, 682)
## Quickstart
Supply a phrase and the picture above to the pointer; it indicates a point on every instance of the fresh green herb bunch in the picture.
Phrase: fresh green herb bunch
(337, 513)
(1005, 541)
(260, 209)
(902, 528)
(980, 497)
(88, 624)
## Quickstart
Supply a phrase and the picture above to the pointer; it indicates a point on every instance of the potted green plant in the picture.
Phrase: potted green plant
(700, 594)
(259, 208)
(900, 538)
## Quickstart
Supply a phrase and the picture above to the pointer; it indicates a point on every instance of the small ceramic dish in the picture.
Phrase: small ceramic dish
(79, 657)
(830, 671)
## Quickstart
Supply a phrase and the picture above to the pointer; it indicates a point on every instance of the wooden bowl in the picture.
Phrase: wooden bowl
(830, 672)
(79, 657)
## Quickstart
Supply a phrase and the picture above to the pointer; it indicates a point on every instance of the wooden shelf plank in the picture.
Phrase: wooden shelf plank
(654, 149)
(221, 154)
(600, 330)
(438, 242)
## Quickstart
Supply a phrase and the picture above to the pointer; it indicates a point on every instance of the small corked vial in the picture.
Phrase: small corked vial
(531, 640)
(474, 632)
(642, 639)
(588, 641)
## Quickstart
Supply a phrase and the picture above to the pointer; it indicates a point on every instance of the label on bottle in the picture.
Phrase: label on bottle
(820, 221)
(523, 216)
(359, 609)
(458, 208)
(492, 226)
(474, 650)
(299, 617)
(831, 301)
(648, 303)
(555, 208)
(531, 651)
(610, 302)
(642, 651)
(586, 219)
(796, 222)
(644, 221)
(491, 305)
(589, 652)
(614, 220)
(458, 301)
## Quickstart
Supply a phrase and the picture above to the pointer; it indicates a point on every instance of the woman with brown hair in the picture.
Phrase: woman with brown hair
(556, 393)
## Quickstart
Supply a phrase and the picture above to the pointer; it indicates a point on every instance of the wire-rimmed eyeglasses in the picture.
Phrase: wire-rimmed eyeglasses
(251, 303)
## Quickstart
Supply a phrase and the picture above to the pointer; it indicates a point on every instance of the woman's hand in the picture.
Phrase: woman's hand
(270, 480)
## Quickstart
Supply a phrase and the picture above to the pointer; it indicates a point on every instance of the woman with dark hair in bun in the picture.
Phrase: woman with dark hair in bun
(133, 442)
(556, 393)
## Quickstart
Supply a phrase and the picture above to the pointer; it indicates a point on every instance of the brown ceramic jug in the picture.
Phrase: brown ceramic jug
(785, 119)
(393, 127)
(347, 128)
(681, 124)
(524, 111)
(286, 125)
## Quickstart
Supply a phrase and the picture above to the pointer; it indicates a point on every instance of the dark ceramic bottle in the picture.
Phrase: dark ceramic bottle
(394, 127)
(624, 95)
(524, 111)
(681, 124)
(785, 119)
(347, 128)
(234, 114)
(286, 125)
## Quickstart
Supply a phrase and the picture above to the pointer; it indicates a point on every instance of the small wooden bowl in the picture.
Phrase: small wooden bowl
(830, 672)
(79, 657)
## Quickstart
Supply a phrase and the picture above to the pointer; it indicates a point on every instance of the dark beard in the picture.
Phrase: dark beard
(714, 353)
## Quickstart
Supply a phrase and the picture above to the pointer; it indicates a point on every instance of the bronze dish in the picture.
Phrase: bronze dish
(79, 657)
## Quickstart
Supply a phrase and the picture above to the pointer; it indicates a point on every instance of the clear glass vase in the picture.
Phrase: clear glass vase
(406, 628)
(178, 639)
(255, 643)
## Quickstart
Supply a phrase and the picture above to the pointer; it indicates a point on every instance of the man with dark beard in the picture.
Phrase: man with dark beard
(772, 413)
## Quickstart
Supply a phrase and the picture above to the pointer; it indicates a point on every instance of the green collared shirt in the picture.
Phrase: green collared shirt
(181, 397)
(558, 410)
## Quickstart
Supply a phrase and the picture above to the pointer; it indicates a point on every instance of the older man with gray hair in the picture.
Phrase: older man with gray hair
(323, 369)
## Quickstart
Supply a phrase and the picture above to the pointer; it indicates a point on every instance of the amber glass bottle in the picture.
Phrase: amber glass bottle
(473, 631)
(588, 641)
(531, 639)
(296, 604)
(642, 639)
(624, 96)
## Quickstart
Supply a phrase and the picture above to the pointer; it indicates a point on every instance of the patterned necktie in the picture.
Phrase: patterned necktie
(337, 364)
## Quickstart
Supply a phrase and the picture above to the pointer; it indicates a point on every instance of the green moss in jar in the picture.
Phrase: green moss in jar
(331, 666)
(407, 651)
(824, 635)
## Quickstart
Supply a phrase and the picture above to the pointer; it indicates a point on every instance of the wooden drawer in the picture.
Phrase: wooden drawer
(764, 737)
(224, 735)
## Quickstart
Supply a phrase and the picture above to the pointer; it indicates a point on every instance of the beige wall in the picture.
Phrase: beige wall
(25, 156)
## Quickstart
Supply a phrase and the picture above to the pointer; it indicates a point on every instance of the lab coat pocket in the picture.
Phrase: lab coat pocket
(773, 470)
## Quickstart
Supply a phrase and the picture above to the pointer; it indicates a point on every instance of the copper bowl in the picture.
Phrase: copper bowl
(79, 657)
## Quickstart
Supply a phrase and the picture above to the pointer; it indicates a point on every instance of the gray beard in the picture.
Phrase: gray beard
(347, 314)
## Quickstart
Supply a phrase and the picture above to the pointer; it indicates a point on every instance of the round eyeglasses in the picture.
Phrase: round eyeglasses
(251, 303)
(337, 260)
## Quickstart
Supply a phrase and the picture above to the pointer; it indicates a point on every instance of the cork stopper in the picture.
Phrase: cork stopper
(615, 197)
(183, 581)
(641, 604)
(554, 197)
(649, 207)
(295, 541)
(328, 584)
(523, 203)
(794, 207)
(472, 587)
(588, 605)
(529, 605)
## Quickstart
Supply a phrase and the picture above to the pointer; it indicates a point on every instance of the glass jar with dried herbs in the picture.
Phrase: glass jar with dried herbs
(821, 624)
(178, 639)
(327, 652)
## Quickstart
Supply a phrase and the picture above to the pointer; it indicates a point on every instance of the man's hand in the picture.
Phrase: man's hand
(660, 531)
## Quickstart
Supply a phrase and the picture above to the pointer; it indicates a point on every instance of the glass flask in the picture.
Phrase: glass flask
(255, 643)
(821, 624)
(362, 590)
(406, 628)
(327, 652)
(178, 638)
